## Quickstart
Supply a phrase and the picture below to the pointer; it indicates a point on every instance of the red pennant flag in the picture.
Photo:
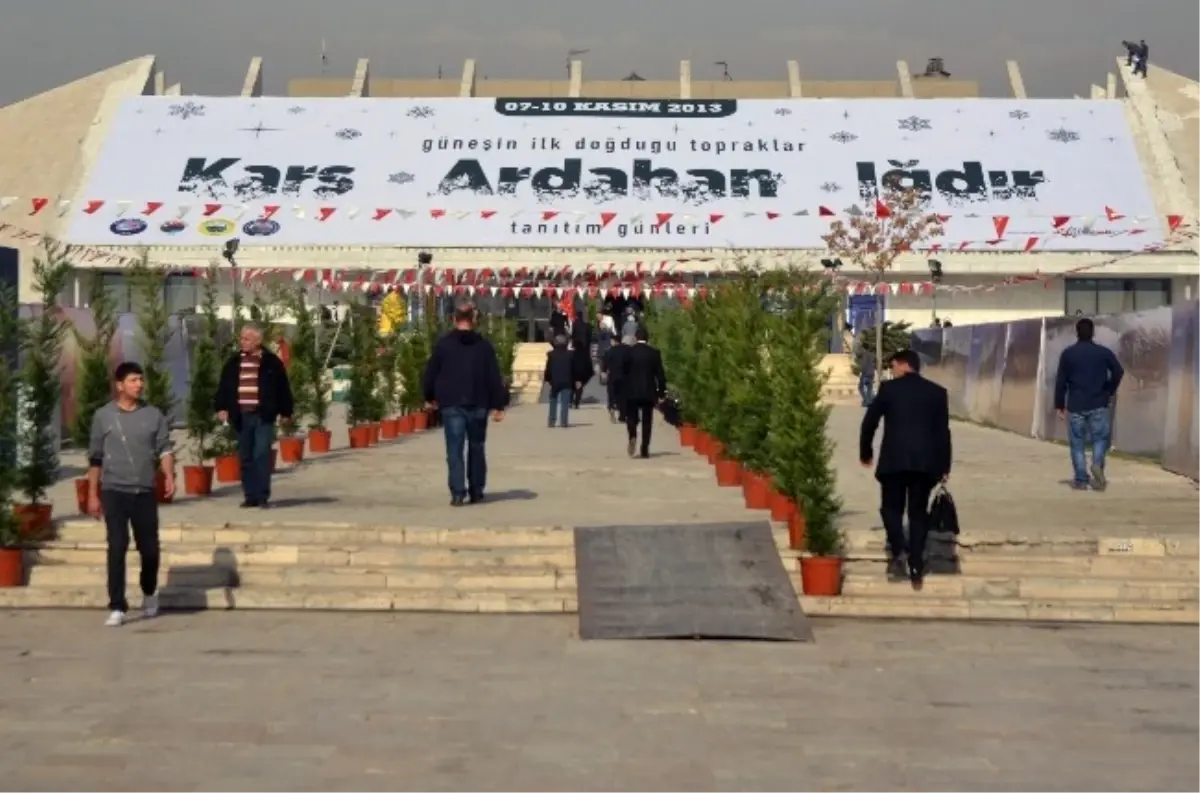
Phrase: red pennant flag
(487, 214)
(437, 213)
(825, 212)
(1112, 213)
(93, 207)
(663, 218)
(269, 210)
(1061, 220)
(549, 215)
(152, 207)
(772, 215)
(881, 209)
(1001, 223)
(606, 218)
(935, 247)
(943, 218)
(211, 209)
(1174, 221)
(325, 212)
(715, 217)
(1030, 243)
(39, 204)
(381, 213)
(962, 246)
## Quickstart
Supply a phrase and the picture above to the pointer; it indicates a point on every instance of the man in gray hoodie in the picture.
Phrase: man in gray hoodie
(130, 440)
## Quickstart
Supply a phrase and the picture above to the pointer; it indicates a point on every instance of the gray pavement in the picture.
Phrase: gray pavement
(272, 701)
(538, 476)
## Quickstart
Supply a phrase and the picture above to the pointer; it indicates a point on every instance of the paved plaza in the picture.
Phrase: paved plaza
(307, 701)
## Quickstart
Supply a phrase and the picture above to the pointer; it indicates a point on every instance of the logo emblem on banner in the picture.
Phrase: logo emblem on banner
(172, 227)
(127, 227)
(217, 227)
(260, 228)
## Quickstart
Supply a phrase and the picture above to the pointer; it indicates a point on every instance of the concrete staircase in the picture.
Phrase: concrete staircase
(532, 570)
(842, 386)
(528, 367)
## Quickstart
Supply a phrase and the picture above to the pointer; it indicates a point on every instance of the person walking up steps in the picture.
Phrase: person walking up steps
(645, 385)
(1088, 377)
(560, 365)
(463, 381)
(130, 441)
(612, 367)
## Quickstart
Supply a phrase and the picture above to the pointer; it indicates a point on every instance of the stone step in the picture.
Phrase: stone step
(973, 588)
(466, 579)
(1164, 568)
(923, 606)
(522, 601)
(860, 541)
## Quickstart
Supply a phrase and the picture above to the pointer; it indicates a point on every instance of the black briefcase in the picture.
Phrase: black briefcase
(943, 515)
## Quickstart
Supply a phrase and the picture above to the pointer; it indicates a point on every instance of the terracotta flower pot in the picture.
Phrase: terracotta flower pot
(376, 430)
(389, 429)
(687, 435)
(198, 480)
(821, 576)
(291, 449)
(360, 437)
(228, 469)
(797, 528)
(160, 488)
(729, 473)
(781, 506)
(11, 567)
(756, 490)
(715, 450)
(319, 441)
(82, 486)
(406, 424)
(33, 520)
(420, 421)
(703, 439)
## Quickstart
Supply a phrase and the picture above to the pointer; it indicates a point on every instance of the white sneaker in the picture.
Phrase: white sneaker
(150, 606)
(115, 619)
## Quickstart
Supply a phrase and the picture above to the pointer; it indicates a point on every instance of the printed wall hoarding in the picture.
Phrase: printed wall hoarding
(608, 174)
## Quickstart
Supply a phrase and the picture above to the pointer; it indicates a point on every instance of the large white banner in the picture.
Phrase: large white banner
(1009, 174)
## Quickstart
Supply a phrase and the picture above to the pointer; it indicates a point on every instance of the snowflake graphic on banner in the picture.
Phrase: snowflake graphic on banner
(844, 137)
(348, 134)
(400, 177)
(296, 110)
(421, 111)
(914, 123)
(1019, 115)
(831, 187)
(783, 111)
(186, 110)
(1063, 135)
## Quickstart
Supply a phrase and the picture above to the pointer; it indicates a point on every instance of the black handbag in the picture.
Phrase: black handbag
(943, 515)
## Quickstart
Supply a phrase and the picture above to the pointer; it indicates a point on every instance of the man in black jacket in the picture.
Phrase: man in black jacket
(1088, 377)
(645, 385)
(913, 457)
(612, 368)
(559, 375)
(253, 393)
(463, 381)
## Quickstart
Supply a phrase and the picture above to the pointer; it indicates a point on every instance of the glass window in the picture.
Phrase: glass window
(1113, 296)
(117, 287)
(181, 294)
(1089, 296)
(1151, 293)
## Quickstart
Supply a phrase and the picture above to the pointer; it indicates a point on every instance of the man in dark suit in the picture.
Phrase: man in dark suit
(612, 370)
(913, 458)
(645, 385)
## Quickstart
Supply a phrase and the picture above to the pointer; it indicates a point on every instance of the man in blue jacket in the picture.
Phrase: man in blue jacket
(1088, 377)
(463, 381)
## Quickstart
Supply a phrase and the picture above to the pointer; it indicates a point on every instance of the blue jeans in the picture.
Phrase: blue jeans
(465, 426)
(255, 438)
(866, 389)
(560, 401)
(1098, 425)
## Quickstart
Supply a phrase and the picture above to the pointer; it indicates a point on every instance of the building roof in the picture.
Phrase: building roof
(1178, 101)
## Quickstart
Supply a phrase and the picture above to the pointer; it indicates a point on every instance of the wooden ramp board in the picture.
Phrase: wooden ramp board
(707, 580)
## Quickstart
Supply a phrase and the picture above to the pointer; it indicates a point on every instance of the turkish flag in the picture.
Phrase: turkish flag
(1001, 223)
(437, 213)
(1112, 214)
(715, 217)
(549, 215)
(825, 212)
(93, 207)
(39, 204)
(269, 210)
(487, 213)
(1174, 221)
(152, 207)
(324, 213)
(882, 210)
(1061, 220)
(211, 209)
(663, 218)
(772, 215)
(606, 218)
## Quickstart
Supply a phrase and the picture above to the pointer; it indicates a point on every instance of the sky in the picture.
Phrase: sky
(1063, 45)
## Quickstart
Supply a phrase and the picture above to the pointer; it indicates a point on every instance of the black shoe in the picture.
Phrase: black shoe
(477, 499)
(264, 504)
(249, 504)
(645, 454)
(632, 448)
(916, 576)
(897, 568)
(457, 501)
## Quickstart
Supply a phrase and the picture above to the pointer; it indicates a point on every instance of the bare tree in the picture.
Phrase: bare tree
(875, 239)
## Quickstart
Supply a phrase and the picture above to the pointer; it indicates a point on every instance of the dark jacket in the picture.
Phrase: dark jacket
(558, 323)
(274, 390)
(1088, 377)
(613, 362)
(916, 428)
(560, 370)
(581, 343)
(463, 372)
(644, 380)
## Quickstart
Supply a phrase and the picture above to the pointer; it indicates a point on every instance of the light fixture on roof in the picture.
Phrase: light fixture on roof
(832, 265)
(935, 271)
(936, 67)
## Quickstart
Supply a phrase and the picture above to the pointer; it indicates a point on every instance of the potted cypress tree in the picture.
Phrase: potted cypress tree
(94, 380)
(11, 553)
(202, 423)
(41, 390)
(360, 395)
(154, 333)
(389, 383)
(303, 355)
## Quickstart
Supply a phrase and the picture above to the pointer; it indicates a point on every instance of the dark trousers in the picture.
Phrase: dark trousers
(615, 401)
(637, 412)
(255, 439)
(901, 493)
(466, 427)
(121, 512)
